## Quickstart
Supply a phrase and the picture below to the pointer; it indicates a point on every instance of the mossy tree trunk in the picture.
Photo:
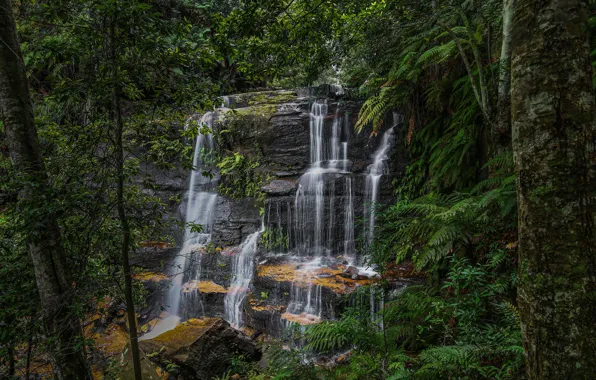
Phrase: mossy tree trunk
(554, 150)
(43, 233)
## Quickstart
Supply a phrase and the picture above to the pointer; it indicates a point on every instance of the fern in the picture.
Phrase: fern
(329, 335)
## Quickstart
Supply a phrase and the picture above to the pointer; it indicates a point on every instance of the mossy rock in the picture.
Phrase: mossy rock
(262, 97)
(201, 348)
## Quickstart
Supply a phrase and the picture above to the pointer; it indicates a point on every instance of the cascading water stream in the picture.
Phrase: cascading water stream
(200, 205)
(373, 177)
(324, 204)
(349, 223)
(318, 206)
(315, 201)
(244, 265)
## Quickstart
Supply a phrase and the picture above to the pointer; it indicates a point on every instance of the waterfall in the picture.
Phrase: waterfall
(243, 268)
(225, 102)
(318, 209)
(373, 178)
(376, 307)
(349, 223)
(334, 142)
(317, 123)
(337, 89)
(307, 303)
(318, 223)
(315, 200)
(200, 206)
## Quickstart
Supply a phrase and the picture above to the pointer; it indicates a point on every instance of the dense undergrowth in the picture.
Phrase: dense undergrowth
(462, 321)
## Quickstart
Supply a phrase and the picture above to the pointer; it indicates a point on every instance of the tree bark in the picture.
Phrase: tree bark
(43, 233)
(554, 135)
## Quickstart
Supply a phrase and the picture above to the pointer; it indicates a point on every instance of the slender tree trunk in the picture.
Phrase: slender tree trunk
(501, 131)
(28, 358)
(11, 361)
(126, 235)
(55, 289)
(554, 150)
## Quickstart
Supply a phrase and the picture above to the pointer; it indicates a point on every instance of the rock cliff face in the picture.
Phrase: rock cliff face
(296, 227)
(277, 123)
(234, 220)
(276, 126)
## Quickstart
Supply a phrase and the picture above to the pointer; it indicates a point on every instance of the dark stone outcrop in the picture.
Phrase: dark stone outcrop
(202, 348)
(233, 221)
(217, 266)
(274, 125)
(279, 187)
(273, 128)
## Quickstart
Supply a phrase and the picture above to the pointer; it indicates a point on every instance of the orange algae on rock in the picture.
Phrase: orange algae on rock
(149, 325)
(176, 342)
(257, 306)
(302, 319)
(323, 276)
(156, 244)
(230, 251)
(111, 341)
(203, 287)
(150, 276)
(247, 330)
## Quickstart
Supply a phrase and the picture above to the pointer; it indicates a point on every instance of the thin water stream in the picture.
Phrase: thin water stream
(200, 204)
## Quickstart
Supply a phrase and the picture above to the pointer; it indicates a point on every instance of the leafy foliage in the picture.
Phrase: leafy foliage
(79, 56)
(240, 177)
(275, 238)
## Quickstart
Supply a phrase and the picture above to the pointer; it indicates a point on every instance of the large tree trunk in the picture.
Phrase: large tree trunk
(554, 150)
(43, 232)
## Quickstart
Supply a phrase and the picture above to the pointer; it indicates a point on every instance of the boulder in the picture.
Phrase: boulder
(202, 348)
(350, 272)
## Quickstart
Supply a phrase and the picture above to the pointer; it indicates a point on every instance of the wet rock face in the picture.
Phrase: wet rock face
(203, 348)
(274, 128)
(217, 266)
(274, 125)
(234, 220)
(280, 187)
